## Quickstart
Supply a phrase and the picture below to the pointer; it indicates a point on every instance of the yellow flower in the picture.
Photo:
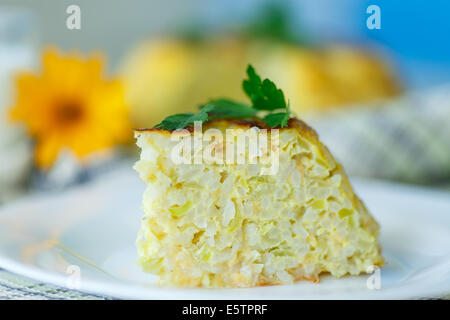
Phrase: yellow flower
(70, 105)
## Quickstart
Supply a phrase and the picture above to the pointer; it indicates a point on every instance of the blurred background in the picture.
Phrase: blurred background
(378, 97)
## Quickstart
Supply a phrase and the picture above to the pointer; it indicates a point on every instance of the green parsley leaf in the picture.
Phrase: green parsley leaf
(225, 109)
(182, 120)
(264, 94)
(278, 119)
(252, 86)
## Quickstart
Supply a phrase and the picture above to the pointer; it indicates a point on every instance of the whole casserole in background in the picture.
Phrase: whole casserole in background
(172, 75)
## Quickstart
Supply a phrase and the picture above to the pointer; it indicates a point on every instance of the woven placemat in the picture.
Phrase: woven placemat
(16, 287)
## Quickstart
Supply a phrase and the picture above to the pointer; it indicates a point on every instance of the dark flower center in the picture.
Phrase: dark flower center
(68, 113)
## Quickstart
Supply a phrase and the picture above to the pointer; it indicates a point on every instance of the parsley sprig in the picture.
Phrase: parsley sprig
(263, 94)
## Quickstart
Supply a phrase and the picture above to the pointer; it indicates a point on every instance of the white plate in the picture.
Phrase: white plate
(92, 229)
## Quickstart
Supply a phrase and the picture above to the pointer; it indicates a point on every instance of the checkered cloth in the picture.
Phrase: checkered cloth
(407, 139)
(17, 288)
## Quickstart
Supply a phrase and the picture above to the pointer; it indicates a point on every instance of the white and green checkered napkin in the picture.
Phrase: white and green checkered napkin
(16, 287)
(407, 139)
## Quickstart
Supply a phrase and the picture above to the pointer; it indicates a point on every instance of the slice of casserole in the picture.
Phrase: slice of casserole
(230, 224)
